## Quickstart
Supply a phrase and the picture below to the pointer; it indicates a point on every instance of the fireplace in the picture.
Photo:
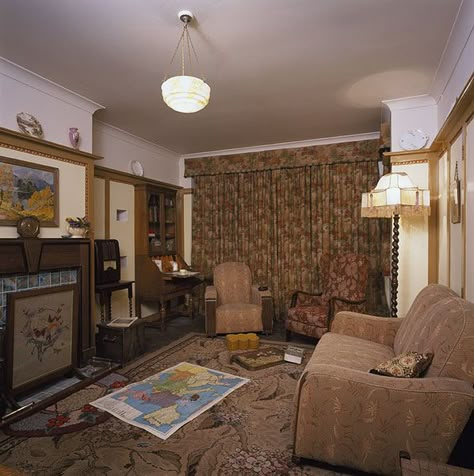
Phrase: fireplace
(45, 315)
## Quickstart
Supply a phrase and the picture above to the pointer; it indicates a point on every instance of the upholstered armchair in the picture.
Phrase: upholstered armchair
(234, 305)
(345, 289)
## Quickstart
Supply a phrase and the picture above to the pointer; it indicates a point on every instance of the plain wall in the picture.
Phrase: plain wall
(119, 149)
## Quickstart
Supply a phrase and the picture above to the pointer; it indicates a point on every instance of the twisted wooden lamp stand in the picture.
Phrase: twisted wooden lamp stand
(394, 283)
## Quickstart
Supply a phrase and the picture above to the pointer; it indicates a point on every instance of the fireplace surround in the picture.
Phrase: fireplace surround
(32, 265)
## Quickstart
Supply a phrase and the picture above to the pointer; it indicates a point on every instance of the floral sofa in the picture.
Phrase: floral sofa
(349, 417)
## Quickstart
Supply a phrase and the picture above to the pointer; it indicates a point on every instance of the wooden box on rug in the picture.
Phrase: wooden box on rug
(121, 344)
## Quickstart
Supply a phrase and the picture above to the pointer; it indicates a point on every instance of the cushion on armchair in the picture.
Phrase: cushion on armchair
(406, 365)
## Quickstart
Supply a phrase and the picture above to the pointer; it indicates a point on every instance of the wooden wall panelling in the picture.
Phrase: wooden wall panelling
(469, 217)
(452, 144)
(456, 241)
(182, 195)
(107, 209)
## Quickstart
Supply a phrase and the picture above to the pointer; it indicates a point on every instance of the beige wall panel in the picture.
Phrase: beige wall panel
(456, 242)
(187, 232)
(413, 261)
(99, 208)
(443, 221)
(72, 191)
(470, 211)
(122, 228)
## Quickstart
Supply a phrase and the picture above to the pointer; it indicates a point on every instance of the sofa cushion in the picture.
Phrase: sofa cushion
(414, 321)
(239, 317)
(406, 365)
(349, 352)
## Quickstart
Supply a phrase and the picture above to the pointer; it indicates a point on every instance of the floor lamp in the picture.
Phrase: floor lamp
(393, 197)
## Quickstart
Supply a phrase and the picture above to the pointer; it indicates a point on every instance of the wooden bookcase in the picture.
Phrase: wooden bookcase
(156, 220)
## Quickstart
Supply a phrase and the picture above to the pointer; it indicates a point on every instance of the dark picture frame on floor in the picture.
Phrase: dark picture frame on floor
(41, 332)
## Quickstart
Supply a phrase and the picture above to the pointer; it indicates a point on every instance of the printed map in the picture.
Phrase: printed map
(164, 402)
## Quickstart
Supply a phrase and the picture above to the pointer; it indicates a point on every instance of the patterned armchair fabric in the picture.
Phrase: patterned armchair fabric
(233, 304)
(346, 283)
(348, 417)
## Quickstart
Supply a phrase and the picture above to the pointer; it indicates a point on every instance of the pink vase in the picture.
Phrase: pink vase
(74, 137)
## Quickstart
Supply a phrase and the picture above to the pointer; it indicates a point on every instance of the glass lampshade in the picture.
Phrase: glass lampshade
(185, 93)
(395, 194)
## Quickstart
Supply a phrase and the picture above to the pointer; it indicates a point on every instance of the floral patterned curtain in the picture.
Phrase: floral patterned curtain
(285, 222)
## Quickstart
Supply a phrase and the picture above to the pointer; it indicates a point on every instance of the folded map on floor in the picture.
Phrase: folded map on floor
(164, 402)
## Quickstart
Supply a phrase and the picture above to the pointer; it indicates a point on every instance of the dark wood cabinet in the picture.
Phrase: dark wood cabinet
(156, 220)
(120, 344)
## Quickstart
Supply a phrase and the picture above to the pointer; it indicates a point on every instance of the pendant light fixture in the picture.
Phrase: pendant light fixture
(185, 93)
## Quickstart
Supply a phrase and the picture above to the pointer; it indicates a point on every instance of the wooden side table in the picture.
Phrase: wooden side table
(267, 311)
(105, 297)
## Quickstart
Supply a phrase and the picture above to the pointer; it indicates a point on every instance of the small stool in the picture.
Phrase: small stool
(253, 340)
(232, 342)
(243, 341)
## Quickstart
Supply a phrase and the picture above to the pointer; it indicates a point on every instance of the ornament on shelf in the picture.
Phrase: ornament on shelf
(28, 124)
(74, 137)
(77, 227)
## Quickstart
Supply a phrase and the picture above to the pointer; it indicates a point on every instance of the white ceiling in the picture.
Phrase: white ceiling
(279, 70)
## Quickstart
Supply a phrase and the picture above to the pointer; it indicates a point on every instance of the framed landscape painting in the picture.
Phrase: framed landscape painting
(28, 189)
(41, 335)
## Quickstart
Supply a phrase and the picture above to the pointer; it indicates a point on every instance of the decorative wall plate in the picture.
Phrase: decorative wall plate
(28, 227)
(28, 124)
(137, 168)
(413, 139)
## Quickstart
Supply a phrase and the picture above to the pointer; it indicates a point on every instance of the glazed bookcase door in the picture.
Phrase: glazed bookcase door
(170, 223)
(156, 225)
(155, 235)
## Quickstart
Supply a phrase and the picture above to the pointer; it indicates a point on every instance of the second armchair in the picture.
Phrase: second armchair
(234, 305)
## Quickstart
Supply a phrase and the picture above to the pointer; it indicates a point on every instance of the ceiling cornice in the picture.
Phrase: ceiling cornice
(412, 102)
(133, 139)
(35, 81)
(285, 145)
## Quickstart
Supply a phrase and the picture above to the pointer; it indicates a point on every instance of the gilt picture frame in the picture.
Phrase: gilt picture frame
(41, 336)
(455, 201)
(28, 189)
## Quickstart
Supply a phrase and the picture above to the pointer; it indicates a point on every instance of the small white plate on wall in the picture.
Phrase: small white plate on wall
(137, 168)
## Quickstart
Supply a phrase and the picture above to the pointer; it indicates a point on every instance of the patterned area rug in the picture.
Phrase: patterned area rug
(246, 434)
(70, 414)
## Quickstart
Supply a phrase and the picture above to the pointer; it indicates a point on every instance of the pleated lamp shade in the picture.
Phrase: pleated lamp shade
(395, 194)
